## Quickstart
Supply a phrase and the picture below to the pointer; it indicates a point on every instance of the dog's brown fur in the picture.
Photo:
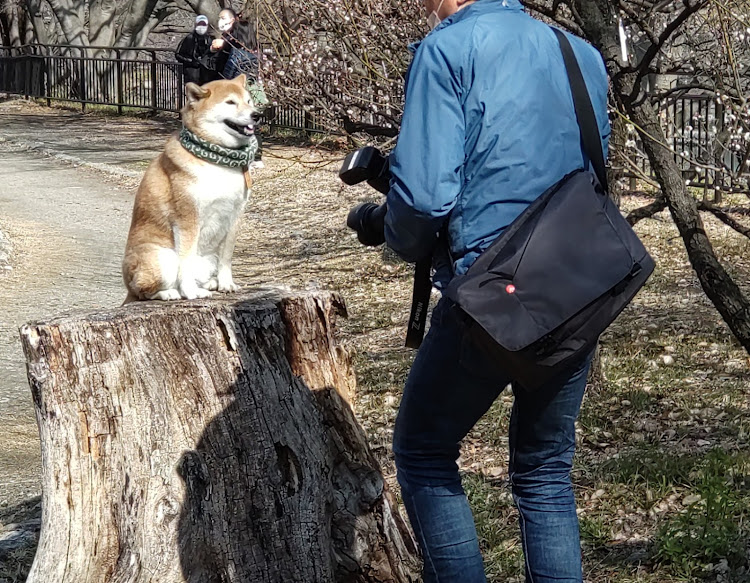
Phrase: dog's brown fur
(187, 210)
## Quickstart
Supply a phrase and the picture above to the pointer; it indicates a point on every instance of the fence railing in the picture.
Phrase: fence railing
(137, 77)
(696, 128)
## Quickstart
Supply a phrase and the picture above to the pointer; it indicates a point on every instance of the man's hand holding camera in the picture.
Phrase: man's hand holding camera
(367, 219)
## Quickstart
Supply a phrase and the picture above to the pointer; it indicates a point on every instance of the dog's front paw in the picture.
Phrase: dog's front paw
(166, 295)
(202, 293)
(194, 292)
(226, 283)
(212, 284)
(230, 287)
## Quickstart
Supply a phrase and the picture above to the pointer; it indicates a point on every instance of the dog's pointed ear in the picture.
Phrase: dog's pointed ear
(240, 79)
(195, 93)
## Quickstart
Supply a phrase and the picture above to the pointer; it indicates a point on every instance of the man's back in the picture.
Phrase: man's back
(489, 125)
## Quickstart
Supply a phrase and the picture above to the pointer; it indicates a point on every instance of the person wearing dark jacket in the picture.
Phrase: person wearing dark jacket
(235, 53)
(192, 49)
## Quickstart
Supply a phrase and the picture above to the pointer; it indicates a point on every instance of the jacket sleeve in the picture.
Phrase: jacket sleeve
(184, 53)
(427, 163)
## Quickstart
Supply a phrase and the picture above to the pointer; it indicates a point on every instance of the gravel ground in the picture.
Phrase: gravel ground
(5, 253)
(66, 193)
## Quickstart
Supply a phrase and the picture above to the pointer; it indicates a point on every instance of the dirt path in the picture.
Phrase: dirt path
(122, 145)
(67, 228)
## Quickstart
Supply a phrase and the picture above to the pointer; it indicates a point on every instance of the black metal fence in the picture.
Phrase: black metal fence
(139, 77)
(698, 129)
(143, 78)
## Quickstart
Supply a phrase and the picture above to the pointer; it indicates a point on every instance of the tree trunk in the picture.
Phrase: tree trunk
(207, 442)
(136, 17)
(71, 17)
(11, 22)
(210, 8)
(102, 16)
(34, 10)
(718, 285)
(598, 20)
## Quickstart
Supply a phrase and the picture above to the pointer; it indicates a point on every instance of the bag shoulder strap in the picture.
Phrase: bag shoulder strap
(592, 143)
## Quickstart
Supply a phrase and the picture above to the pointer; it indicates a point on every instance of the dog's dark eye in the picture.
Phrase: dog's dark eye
(230, 102)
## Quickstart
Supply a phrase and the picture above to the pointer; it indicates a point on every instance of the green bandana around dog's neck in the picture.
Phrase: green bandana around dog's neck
(216, 154)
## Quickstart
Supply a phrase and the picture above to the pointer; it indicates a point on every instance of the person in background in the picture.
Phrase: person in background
(191, 51)
(235, 53)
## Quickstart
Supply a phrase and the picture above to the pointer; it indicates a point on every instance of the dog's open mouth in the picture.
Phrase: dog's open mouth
(247, 130)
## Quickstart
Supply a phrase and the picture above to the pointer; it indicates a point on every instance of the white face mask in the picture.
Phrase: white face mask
(433, 19)
(225, 24)
(201, 29)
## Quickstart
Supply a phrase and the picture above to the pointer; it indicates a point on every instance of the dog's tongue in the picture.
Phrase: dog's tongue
(249, 130)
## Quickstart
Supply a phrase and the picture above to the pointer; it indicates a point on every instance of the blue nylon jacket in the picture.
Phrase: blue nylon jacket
(488, 126)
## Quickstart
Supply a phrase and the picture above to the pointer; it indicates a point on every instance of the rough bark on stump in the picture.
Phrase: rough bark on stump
(207, 442)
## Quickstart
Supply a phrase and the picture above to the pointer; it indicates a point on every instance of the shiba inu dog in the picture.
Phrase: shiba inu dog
(189, 204)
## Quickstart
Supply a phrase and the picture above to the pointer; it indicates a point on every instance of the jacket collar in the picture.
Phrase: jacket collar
(481, 6)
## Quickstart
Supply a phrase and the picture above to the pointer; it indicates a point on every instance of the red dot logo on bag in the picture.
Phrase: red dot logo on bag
(510, 288)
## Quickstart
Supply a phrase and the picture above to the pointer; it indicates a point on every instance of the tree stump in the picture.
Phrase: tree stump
(208, 441)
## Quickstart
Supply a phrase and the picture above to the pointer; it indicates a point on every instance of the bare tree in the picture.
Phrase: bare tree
(42, 33)
(344, 60)
(10, 16)
(105, 23)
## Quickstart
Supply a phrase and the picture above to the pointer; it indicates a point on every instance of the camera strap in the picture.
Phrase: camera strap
(420, 301)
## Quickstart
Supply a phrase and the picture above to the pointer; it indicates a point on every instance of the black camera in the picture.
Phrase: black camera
(367, 219)
(367, 164)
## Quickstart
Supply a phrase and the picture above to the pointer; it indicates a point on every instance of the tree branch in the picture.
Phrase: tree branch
(646, 212)
(650, 54)
(724, 218)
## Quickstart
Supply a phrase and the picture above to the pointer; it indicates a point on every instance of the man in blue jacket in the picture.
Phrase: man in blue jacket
(488, 126)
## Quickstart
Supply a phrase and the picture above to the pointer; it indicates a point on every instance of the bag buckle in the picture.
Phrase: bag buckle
(545, 345)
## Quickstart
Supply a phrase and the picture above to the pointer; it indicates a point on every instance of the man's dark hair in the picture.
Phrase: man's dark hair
(246, 34)
(243, 32)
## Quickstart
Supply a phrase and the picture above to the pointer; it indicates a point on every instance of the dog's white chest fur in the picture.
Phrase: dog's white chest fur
(220, 195)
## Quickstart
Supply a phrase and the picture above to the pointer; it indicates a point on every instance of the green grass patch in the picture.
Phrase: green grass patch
(714, 525)
(596, 532)
(647, 466)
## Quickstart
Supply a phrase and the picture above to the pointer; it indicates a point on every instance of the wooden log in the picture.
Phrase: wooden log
(208, 441)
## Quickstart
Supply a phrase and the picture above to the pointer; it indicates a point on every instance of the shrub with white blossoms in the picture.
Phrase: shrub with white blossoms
(343, 61)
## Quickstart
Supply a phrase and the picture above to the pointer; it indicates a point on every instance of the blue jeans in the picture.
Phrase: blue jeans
(449, 388)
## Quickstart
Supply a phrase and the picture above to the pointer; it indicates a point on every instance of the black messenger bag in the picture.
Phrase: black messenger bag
(538, 298)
